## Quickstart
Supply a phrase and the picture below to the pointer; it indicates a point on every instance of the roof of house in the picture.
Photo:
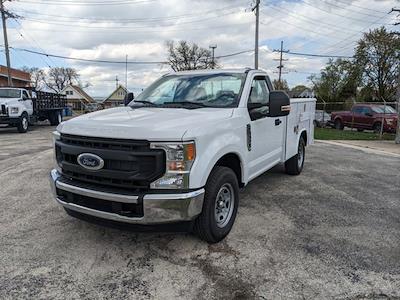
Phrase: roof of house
(116, 89)
(80, 91)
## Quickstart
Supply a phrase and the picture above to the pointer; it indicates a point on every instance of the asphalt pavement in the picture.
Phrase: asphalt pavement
(331, 233)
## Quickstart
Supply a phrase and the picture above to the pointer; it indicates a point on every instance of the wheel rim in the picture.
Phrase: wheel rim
(300, 156)
(24, 123)
(224, 205)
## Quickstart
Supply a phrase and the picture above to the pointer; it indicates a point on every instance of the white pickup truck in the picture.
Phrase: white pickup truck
(181, 150)
(21, 107)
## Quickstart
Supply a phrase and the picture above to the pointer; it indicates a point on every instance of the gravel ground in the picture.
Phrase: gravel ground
(332, 232)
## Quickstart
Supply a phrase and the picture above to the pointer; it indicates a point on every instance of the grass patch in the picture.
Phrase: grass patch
(334, 134)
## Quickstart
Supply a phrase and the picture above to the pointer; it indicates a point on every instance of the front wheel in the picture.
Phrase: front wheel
(294, 165)
(23, 123)
(377, 127)
(220, 206)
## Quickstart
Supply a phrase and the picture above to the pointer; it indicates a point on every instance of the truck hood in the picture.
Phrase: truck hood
(8, 101)
(145, 123)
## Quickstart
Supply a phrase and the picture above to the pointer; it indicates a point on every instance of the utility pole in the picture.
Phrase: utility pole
(213, 47)
(4, 16)
(281, 60)
(256, 8)
(397, 140)
(126, 72)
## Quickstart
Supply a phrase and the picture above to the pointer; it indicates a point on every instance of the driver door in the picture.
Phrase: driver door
(27, 102)
(266, 132)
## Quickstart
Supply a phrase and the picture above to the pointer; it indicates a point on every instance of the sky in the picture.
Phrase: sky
(112, 29)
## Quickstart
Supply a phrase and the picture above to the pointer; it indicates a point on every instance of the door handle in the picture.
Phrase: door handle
(277, 122)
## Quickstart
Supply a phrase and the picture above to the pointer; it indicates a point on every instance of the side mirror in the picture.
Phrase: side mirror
(128, 98)
(368, 114)
(279, 104)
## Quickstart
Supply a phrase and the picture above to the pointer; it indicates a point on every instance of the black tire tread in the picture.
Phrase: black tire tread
(202, 224)
(291, 165)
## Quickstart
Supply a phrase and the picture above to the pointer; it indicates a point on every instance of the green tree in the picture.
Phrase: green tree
(337, 82)
(282, 85)
(378, 56)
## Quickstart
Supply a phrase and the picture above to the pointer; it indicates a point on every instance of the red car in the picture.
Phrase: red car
(366, 116)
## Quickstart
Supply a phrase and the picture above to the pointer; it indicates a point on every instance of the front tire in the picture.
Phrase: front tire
(220, 206)
(294, 165)
(23, 123)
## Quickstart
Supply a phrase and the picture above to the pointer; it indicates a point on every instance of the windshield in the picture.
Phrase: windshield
(10, 93)
(210, 90)
(381, 109)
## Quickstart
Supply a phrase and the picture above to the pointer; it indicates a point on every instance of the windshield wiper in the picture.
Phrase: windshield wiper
(145, 102)
(188, 103)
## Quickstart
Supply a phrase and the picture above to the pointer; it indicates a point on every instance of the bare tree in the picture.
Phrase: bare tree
(58, 78)
(183, 56)
(37, 75)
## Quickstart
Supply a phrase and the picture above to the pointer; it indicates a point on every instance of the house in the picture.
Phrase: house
(116, 98)
(19, 78)
(77, 98)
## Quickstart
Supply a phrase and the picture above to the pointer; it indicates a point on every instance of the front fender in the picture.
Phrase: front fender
(213, 151)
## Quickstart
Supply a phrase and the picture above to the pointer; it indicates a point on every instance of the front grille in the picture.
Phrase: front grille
(131, 210)
(127, 163)
(3, 110)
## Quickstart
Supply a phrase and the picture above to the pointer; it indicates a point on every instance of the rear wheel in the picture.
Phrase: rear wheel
(294, 165)
(23, 123)
(220, 206)
(55, 118)
(360, 129)
(339, 124)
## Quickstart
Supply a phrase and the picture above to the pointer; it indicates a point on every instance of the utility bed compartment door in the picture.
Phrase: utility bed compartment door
(301, 118)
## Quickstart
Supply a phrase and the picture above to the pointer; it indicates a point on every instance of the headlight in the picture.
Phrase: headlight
(57, 150)
(389, 121)
(14, 110)
(179, 161)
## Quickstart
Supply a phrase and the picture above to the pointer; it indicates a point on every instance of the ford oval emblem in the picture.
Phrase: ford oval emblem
(90, 161)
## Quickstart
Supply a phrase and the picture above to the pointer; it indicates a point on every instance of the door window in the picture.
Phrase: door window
(259, 91)
(258, 99)
(25, 95)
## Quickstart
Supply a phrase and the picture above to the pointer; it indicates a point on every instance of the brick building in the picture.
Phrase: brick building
(19, 78)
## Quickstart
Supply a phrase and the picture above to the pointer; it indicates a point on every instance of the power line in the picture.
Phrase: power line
(314, 55)
(130, 20)
(62, 23)
(97, 3)
(114, 61)
(336, 14)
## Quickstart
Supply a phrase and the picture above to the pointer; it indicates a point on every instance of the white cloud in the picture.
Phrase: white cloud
(312, 26)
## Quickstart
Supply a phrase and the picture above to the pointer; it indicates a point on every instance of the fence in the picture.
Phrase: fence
(345, 106)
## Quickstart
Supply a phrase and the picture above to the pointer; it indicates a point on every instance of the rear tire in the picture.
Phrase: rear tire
(360, 129)
(339, 124)
(23, 124)
(55, 118)
(294, 165)
(220, 206)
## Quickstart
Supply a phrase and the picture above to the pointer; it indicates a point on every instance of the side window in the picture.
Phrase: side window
(366, 110)
(357, 110)
(25, 95)
(259, 91)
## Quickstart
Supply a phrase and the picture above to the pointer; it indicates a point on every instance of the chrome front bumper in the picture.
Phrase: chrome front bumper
(157, 208)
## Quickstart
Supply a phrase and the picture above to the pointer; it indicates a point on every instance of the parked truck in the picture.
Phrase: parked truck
(180, 151)
(21, 107)
(367, 116)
